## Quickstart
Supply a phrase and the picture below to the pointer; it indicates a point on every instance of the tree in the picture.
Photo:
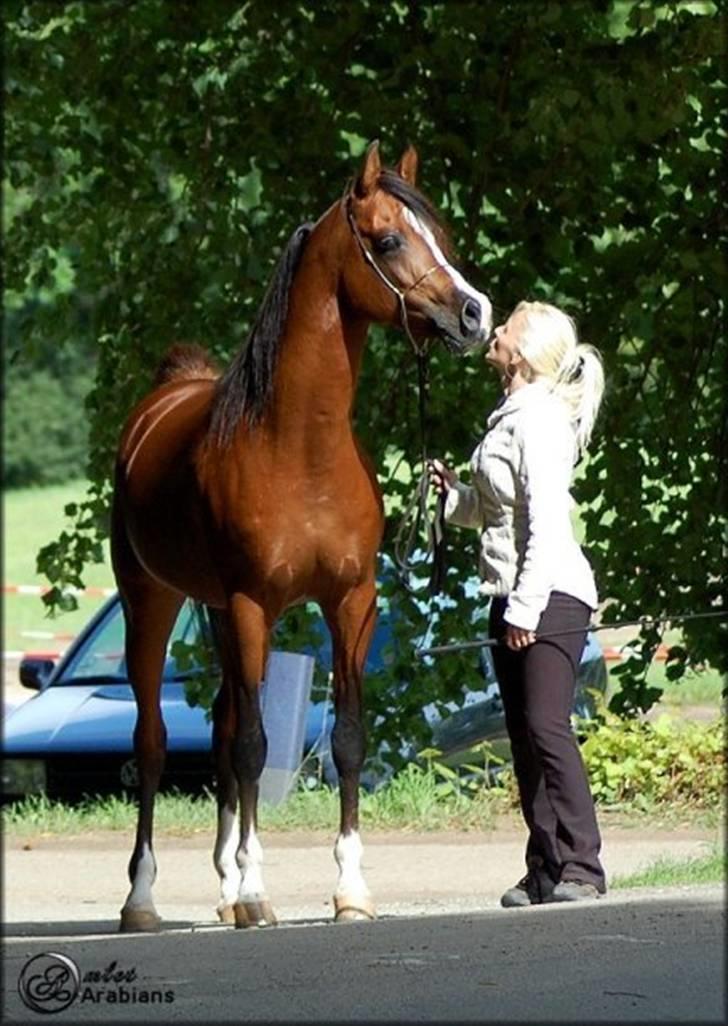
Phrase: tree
(167, 149)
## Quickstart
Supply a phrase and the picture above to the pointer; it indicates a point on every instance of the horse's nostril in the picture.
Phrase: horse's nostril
(471, 316)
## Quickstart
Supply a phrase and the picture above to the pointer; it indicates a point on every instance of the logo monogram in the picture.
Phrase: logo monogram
(49, 982)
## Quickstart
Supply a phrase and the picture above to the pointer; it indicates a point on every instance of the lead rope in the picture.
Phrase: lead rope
(416, 515)
(660, 622)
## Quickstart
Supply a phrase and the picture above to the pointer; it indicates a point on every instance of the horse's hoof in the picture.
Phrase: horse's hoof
(254, 913)
(139, 920)
(226, 914)
(347, 911)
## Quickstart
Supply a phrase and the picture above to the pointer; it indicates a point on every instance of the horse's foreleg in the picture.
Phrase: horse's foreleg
(150, 615)
(247, 659)
(352, 624)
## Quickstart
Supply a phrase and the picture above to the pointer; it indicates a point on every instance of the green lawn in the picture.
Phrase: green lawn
(668, 872)
(696, 688)
(33, 517)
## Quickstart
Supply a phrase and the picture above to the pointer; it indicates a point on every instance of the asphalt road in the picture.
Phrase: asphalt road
(634, 957)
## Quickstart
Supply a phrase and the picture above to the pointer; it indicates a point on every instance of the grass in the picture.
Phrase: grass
(33, 517)
(175, 813)
(418, 799)
(697, 688)
(413, 800)
(666, 872)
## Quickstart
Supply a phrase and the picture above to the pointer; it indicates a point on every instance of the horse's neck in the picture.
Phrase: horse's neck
(318, 368)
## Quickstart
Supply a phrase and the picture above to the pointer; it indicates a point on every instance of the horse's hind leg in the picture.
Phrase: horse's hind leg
(351, 624)
(244, 651)
(223, 733)
(150, 611)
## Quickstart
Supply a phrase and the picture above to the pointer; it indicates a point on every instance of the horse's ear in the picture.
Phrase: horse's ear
(407, 167)
(370, 169)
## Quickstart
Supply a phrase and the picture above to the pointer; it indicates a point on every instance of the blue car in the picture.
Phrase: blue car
(75, 735)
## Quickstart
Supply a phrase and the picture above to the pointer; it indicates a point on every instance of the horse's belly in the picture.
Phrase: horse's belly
(177, 556)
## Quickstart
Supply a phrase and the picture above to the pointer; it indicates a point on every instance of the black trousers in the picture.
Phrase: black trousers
(537, 686)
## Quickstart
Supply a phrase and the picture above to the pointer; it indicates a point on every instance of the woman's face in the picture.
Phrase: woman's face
(503, 350)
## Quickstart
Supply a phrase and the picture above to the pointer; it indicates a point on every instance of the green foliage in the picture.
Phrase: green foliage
(159, 153)
(45, 428)
(637, 762)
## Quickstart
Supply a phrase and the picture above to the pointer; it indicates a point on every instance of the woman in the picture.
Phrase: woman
(541, 583)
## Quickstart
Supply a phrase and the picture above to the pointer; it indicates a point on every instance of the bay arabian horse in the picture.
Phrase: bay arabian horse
(249, 491)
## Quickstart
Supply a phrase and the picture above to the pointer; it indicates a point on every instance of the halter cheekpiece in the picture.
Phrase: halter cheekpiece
(401, 294)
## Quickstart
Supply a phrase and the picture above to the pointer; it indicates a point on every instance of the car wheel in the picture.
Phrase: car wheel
(129, 774)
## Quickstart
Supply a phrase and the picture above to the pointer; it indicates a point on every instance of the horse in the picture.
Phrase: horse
(247, 490)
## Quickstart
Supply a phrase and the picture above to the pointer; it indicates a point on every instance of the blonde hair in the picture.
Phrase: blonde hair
(549, 344)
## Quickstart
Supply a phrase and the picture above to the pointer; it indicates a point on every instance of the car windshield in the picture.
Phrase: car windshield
(102, 654)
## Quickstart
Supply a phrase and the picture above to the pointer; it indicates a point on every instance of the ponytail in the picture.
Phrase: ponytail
(581, 387)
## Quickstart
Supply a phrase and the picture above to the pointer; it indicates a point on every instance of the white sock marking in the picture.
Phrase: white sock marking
(226, 845)
(348, 852)
(250, 860)
(140, 896)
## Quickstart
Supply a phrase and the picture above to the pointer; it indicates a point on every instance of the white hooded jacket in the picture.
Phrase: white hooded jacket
(520, 501)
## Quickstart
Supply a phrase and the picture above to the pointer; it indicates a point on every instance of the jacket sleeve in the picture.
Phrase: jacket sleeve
(546, 444)
(462, 506)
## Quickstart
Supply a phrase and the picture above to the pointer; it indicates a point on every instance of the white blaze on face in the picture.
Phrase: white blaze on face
(486, 310)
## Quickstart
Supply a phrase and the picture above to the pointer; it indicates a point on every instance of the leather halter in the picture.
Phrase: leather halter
(401, 294)
(416, 513)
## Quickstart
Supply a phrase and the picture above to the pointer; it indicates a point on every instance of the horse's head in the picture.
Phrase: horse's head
(396, 268)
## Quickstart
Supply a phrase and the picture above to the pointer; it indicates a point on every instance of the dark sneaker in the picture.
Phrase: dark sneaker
(535, 888)
(572, 890)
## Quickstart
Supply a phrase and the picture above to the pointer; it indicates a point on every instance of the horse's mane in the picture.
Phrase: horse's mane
(244, 388)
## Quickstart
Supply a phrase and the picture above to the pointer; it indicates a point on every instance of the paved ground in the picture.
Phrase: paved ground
(79, 884)
(442, 950)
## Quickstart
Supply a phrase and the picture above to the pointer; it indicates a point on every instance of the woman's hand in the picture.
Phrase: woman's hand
(518, 637)
(442, 478)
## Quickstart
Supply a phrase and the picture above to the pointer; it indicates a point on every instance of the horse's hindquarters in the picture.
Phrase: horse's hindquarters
(158, 521)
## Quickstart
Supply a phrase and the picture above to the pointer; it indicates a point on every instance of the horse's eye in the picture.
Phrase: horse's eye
(387, 243)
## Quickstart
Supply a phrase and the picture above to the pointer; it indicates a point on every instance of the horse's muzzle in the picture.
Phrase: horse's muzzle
(476, 321)
(471, 318)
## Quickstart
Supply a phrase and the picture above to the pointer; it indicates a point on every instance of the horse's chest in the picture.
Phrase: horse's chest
(315, 547)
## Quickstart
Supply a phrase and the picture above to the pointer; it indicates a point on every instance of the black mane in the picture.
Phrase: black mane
(245, 387)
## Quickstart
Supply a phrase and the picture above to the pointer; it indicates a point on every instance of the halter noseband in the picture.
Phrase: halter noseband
(401, 294)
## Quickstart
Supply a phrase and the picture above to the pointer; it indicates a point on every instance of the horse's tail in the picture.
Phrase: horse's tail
(186, 361)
